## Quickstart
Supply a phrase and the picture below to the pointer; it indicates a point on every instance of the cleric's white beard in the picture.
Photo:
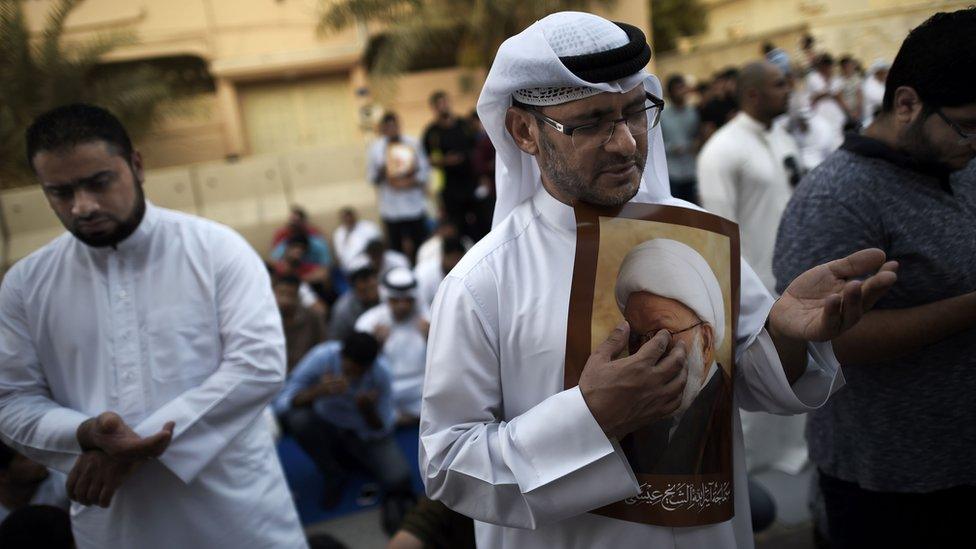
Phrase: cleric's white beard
(695, 363)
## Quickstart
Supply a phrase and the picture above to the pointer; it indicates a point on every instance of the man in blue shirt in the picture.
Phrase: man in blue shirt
(338, 407)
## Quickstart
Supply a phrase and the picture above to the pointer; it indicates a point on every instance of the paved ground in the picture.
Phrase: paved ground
(793, 529)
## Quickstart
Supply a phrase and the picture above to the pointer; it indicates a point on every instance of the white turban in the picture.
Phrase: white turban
(670, 269)
(528, 63)
(399, 282)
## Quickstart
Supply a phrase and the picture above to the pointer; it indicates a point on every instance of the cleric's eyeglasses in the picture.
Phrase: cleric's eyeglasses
(593, 135)
(637, 339)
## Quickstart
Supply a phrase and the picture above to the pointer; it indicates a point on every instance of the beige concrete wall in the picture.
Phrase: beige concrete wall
(867, 29)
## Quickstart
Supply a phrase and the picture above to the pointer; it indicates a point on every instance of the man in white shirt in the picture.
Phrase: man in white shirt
(137, 352)
(431, 272)
(747, 170)
(824, 89)
(352, 235)
(398, 167)
(382, 259)
(401, 324)
(501, 440)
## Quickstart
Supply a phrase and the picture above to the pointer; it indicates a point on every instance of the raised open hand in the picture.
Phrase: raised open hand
(825, 301)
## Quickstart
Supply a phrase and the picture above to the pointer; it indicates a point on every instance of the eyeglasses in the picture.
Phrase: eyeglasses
(967, 138)
(637, 339)
(594, 135)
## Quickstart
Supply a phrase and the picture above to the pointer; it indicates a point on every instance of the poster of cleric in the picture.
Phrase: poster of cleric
(676, 269)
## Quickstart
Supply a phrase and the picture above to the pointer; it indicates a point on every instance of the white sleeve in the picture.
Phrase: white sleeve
(547, 464)
(251, 371)
(718, 181)
(30, 420)
(761, 383)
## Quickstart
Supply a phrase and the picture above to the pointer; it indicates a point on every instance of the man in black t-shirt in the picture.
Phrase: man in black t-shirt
(449, 143)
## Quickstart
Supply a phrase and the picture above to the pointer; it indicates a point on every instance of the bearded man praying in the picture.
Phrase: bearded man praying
(573, 116)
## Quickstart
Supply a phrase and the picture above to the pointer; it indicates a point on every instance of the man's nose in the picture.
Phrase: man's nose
(621, 140)
(85, 204)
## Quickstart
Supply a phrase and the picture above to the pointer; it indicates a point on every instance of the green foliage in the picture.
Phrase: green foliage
(672, 19)
(417, 29)
(41, 71)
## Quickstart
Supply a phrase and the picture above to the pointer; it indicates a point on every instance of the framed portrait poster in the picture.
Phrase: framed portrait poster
(665, 267)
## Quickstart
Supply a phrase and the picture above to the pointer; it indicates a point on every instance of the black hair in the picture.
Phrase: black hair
(347, 210)
(287, 279)
(70, 125)
(674, 81)
(7, 455)
(300, 212)
(846, 59)
(388, 117)
(37, 526)
(730, 73)
(361, 274)
(807, 41)
(452, 244)
(937, 60)
(437, 96)
(374, 246)
(361, 348)
(768, 47)
(824, 59)
(300, 239)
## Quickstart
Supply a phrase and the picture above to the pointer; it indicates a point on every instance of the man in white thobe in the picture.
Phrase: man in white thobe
(502, 440)
(400, 324)
(430, 273)
(137, 352)
(747, 170)
(352, 236)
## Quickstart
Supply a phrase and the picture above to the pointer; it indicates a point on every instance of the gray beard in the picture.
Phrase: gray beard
(695, 363)
(569, 182)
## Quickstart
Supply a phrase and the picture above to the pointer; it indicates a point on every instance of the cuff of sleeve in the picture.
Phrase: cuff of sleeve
(768, 383)
(560, 437)
(62, 424)
(185, 456)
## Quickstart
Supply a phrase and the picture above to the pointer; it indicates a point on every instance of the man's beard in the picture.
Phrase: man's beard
(923, 152)
(124, 227)
(695, 363)
(570, 183)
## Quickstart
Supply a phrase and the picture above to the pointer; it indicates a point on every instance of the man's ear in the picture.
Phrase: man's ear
(137, 171)
(522, 127)
(708, 344)
(906, 105)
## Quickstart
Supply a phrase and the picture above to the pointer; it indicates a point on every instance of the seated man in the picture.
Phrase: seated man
(318, 247)
(337, 404)
(363, 296)
(351, 236)
(431, 248)
(401, 324)
(383, 259)
(304, 328)
(295, 262)
(430, 273)
(24, 482)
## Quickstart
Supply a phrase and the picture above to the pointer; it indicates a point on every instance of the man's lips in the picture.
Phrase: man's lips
(620, 170)
(95, 224)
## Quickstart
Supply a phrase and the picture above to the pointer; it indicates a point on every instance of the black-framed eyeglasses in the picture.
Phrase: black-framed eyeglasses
(966, 138)
(593, 135)
(637, 339)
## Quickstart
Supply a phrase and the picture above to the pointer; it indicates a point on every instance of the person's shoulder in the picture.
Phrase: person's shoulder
(211, 232)
(842, 175)
(323, 351)
(40, 262)
(371, 317)
(497, 244)
(724, 144)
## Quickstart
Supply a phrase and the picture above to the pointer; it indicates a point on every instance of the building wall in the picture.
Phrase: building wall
(287, 123)
(867, 29)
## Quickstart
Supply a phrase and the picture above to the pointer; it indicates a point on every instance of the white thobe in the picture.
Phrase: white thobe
(398, 204)
(503, 442)
(828, 109)
(429, 275)
(177, 323)
(349, 243)
(742, 176)
(405, 351)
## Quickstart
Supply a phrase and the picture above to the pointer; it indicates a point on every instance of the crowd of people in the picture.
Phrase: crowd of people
(142, 360)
